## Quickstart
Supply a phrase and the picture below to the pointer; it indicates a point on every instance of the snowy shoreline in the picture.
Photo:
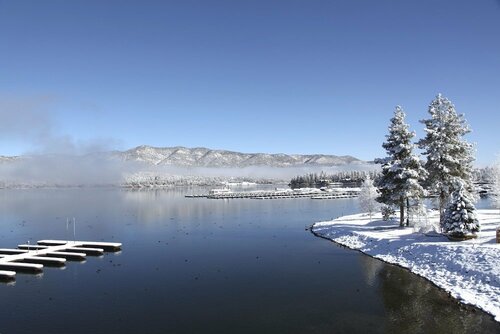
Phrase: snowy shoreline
(468, 270)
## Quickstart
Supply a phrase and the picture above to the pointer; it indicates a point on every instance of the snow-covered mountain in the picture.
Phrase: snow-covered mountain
(7, 159)
(204, 157)
(147, 166)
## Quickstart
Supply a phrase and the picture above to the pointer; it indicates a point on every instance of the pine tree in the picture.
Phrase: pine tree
(402, 171)
(368, 196)
(460, 217)
(449, 156)
(495, 189)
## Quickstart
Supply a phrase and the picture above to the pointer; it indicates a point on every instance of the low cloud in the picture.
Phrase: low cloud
(63, 170)
(58, 159)
(53, 158)
(103, 169)
(261, 172)
(31, 120)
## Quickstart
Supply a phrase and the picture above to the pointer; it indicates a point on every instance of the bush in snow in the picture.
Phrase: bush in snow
(368, 196)
(388, 212)
(460, 217)
(420, 220)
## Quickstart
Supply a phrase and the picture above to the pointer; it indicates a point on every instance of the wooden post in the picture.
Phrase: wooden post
(498, 235)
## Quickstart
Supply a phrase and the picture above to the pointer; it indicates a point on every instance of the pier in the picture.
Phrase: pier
(281, 194)
(33, 258)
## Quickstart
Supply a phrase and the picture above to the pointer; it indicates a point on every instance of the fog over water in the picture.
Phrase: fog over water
(101, 169)
(32, 122)
(56, 158)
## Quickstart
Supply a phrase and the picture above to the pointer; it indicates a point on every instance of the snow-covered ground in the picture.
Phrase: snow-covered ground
(468, 270)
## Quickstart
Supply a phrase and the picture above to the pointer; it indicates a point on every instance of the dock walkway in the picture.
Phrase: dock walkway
(32, 258)
(279, 194)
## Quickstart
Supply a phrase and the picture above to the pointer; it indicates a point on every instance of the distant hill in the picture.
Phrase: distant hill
(4, 159)
(205, 157)
(149, 167)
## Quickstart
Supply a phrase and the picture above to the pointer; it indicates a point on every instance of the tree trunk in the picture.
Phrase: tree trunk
(441, 208)
(407, 211)
(401, 212)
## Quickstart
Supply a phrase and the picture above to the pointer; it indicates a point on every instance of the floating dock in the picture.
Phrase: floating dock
(336, 196)
(281, 194)
(7, 274)
(32, 258)
(107, 246)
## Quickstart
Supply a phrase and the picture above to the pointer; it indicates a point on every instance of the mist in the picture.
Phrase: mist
(59, 170)
(63, 170)
(259, 172)
(53, 158)
(158, 176)
(32, 122)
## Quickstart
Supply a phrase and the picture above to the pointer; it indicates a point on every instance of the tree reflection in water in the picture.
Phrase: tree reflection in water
(414, 305)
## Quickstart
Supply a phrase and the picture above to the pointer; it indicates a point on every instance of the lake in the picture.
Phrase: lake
(210, 266)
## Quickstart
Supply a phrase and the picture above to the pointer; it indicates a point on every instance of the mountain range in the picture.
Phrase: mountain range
(205, 157)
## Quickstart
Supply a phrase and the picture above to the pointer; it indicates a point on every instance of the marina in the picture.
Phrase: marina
(33, 258)
(312, 193)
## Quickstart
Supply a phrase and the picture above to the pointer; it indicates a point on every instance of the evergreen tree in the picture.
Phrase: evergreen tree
(460, 217)
(495, 187)
(368, 196)
(449, 156)
(401, 169)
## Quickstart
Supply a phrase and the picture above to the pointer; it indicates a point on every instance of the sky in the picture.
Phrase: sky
(274, 76)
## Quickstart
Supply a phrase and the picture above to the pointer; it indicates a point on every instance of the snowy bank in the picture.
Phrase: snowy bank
(468, 270)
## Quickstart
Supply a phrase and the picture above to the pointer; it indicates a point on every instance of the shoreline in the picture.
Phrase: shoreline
(468, 271)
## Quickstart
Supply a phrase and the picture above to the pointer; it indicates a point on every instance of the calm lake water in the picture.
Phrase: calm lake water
(210, 266)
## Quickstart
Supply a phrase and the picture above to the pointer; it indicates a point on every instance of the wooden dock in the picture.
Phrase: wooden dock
(33, 258)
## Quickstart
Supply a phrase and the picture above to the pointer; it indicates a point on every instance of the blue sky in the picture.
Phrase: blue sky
(252, 76)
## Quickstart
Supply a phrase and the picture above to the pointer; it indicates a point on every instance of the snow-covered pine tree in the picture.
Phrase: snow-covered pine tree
(402, 170)
(449, 156)
(495, 187)
(460, 216)
(368, 196)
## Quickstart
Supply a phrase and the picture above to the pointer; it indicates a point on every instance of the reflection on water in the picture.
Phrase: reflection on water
(414, 305)
(371, 269)
(209, 266)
